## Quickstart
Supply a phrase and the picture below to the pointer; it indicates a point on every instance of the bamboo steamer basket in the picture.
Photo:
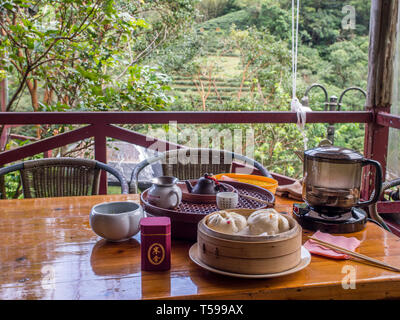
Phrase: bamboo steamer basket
(248, 254)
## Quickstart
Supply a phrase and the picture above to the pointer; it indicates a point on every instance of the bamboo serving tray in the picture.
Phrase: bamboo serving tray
(185, 218)
(249, 254)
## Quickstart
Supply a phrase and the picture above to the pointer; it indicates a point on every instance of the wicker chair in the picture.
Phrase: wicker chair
(62, 177)
(186, 164)
(373, 209)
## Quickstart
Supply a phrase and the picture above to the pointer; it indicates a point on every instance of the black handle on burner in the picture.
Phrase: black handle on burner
(378, 182)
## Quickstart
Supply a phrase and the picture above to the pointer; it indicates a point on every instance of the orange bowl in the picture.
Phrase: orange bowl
(261, 181)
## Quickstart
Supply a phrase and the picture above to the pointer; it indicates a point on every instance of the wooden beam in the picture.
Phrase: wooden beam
(137, 138)
(160, 117)
(383, 34)
(389, 206)
(46, 144)
(382, 46)
(388, 120)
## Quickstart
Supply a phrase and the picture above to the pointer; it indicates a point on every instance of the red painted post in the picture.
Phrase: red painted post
(375, 147)
(381, 58)
(100, 153)
(3, 108)
(48, 154)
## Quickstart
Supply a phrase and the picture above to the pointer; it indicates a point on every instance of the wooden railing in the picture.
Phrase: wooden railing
(101, 125)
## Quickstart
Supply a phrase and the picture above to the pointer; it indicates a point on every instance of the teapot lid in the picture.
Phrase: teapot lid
(334, 153)
(208, 178)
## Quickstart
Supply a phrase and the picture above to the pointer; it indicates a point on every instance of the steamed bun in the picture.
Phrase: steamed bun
(227, 222)
(267, 222)
(240, 221)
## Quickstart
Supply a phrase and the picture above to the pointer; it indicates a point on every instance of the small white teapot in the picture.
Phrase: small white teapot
(164, 193)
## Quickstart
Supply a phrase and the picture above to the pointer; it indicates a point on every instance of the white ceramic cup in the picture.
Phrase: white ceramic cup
(116, 221)
(227, 200)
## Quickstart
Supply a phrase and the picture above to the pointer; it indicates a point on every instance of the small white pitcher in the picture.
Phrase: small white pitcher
(164, 193)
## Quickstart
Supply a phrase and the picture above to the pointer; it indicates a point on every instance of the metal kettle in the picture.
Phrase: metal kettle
(332, 178)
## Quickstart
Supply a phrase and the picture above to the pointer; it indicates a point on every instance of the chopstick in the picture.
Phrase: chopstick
(362, 257)
(256, 199)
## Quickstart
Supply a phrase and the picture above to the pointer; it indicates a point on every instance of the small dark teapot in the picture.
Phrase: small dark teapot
(205, 185)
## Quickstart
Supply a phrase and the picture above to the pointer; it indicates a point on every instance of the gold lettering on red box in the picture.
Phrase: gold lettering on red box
(156, 253)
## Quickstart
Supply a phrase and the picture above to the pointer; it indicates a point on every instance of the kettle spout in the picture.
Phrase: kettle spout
(189, 186)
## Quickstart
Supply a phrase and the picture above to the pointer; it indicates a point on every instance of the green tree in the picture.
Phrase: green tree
(347, 63)
(265, 61)
(87, 54)
(77, 51)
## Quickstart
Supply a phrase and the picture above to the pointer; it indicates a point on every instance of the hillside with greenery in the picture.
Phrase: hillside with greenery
(237, 56)
(184, 55)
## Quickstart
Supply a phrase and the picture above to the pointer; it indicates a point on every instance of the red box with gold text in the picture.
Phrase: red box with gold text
(155, 235)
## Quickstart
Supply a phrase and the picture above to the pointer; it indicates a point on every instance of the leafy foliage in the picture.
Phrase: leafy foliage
(259, 33)
(84, 54)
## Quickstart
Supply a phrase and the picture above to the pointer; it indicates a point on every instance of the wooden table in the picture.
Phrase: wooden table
(48, 251)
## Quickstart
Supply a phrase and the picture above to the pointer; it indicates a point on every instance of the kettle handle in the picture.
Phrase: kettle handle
(378, 182)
